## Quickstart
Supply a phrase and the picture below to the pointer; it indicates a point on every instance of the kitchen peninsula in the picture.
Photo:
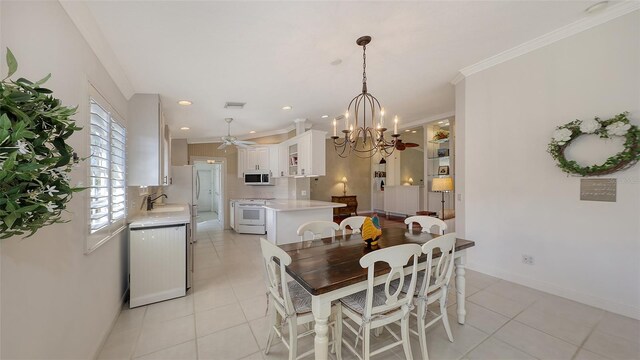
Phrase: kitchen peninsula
(283, 217)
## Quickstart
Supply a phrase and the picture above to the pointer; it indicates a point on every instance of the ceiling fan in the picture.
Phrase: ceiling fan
(403, 145)
(232, 140)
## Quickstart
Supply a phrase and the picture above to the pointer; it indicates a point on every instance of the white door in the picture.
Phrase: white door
(206, 190)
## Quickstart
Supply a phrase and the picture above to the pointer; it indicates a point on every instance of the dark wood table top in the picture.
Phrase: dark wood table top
(324, 265)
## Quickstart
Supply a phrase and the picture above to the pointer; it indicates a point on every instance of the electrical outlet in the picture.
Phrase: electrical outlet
(527, 259)
(459, 197)
(303, 192)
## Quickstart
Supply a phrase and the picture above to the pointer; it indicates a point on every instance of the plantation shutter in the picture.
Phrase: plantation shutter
(100, 165)
(118, 186)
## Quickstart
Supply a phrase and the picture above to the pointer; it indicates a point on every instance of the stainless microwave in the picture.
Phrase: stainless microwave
(258, 177)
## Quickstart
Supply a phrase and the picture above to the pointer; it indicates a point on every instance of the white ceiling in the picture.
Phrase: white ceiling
(271, 54)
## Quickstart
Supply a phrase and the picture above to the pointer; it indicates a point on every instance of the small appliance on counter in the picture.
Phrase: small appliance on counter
(258, 177)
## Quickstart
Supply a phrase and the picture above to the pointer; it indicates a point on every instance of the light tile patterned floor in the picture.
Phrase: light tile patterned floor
(223, 317)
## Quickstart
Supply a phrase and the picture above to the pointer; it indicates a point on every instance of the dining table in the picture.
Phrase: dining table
(329, 269)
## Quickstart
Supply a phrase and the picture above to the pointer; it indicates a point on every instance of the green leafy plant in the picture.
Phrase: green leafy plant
(619, 125)
(35, 160)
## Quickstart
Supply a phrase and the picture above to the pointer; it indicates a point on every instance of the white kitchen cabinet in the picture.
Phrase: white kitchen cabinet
(303, 155)
(148, 142)
(232, 214)
(254, 158)
(283, 159)
(312, 153)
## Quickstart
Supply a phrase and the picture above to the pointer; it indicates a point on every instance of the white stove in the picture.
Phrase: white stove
(249, 215)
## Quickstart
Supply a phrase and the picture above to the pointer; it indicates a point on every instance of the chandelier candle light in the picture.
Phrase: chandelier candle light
(365, 141)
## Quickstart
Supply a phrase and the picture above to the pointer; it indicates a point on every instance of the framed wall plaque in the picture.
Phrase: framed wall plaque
(598, 190)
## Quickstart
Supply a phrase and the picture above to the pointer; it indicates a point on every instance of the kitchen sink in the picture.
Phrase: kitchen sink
(167, 208)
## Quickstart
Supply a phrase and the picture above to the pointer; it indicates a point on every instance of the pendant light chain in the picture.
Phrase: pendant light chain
(364, 67)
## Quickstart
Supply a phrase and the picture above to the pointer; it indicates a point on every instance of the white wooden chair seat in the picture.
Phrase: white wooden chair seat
(300, 298)
(357, 301)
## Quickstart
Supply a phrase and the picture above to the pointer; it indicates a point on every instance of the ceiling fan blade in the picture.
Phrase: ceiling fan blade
(411, 144)
(241, 144)
(245, 142)
(224, 145)
(400, 145)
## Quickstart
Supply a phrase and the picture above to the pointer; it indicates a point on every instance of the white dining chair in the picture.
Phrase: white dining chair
(292, 303)
(377, 306)
(433, 285)
(426, 222)
(318, 229)
(353, 222)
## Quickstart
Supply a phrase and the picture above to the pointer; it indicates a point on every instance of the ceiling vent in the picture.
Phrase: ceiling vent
(234, 105)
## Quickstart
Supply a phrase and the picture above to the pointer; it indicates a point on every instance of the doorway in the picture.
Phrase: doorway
(209, 195)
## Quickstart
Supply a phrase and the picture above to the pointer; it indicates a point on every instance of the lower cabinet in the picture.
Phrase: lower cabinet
(351, 208)
(404, 200)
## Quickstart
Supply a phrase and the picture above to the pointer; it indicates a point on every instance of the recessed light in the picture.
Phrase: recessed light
(596, 7)
(184, 128)
(287, 107)
(440, 122)
(324, 116)
(252, 132)
(184, 102)
(413, 132)
(407, 130)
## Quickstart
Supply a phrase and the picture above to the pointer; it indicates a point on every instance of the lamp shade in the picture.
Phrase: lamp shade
(442, 184)
(344, 179)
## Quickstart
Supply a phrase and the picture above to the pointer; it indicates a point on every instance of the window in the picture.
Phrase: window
(107, 179)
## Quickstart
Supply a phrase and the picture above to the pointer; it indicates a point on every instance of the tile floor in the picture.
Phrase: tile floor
(223, 317)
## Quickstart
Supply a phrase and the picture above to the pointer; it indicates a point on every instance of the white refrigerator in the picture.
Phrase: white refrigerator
(185, 188)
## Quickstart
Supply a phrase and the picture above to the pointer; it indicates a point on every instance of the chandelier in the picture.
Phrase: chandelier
(364, 136)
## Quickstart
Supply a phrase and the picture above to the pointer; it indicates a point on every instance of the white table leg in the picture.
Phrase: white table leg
(321, 308)
(460, 287)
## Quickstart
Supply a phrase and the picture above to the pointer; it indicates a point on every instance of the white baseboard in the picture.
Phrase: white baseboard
(588, 299)
(105, 336)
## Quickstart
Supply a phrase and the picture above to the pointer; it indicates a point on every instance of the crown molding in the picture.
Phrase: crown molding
(82, 18)
(456, 79)
(442, 116)
(586, 23)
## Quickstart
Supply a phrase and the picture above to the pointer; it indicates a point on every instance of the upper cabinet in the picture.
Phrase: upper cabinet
(304, 155)
(257, 158)
(300, 156)
(312, 153)
(148, 142)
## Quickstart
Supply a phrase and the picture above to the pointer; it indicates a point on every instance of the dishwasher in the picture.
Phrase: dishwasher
(157, 263)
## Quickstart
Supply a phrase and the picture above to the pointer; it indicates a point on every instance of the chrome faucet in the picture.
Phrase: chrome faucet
(150, 201)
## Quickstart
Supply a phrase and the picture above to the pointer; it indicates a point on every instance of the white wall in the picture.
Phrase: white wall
(58, 302)
(518, 202)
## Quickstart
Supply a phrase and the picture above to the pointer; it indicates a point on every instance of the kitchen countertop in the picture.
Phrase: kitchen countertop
(295, 205)
(162, 215)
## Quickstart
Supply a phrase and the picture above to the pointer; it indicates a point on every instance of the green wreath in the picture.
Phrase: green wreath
(617, 126)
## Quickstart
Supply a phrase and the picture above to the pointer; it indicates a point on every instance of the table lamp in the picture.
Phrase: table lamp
(443, 185)
(344, 185)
